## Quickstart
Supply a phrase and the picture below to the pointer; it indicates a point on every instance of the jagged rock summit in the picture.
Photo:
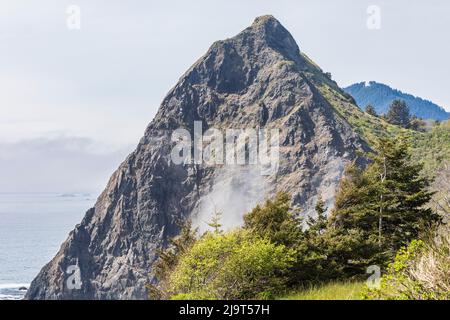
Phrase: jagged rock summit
(257, 79)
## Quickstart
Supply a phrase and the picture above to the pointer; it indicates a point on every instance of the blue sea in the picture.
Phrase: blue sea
(32, 228)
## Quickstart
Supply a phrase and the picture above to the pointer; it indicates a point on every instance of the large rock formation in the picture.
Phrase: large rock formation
(258, 79)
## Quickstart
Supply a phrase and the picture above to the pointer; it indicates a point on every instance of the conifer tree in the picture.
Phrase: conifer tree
(371, 110)
(383, 206)
(216, 223)
(403, 193)
(398, 114)
(168, 259)
(351, 238)
(318, 224)
(275, 220)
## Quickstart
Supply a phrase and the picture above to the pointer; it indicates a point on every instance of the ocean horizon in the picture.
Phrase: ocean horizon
(32, 228)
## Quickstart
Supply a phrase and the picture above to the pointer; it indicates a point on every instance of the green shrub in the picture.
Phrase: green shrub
(420, 271)
(397, 284)
(233, 265)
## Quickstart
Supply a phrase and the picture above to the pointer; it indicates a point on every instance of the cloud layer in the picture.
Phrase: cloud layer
(61, 165)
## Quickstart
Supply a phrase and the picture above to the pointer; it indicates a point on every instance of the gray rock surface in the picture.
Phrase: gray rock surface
(258, 79)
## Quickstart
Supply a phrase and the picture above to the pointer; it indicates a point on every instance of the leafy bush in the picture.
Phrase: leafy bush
(397, 284)
(233, 265)
(420, 271)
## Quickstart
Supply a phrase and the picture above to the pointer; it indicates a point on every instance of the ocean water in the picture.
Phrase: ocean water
(32, 228)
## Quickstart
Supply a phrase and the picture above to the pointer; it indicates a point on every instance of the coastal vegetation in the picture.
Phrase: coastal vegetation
(381, 217)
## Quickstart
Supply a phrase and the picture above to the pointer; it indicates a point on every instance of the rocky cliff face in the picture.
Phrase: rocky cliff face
(258, 79)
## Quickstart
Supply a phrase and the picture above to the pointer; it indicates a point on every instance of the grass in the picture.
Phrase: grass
(331, 291)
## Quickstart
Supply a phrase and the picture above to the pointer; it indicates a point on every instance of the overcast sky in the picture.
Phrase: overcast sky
(102, 84)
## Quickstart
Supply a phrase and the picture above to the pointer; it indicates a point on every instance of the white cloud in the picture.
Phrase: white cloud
(59, 164)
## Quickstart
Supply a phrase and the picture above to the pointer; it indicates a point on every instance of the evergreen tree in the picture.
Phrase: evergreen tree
(168, 259)
(318, 224)
(371, 110)
(312, 261)
(398, 114)
(275, 221)
(403, 194)
(382, 208)
(215, 222)
(351, 238)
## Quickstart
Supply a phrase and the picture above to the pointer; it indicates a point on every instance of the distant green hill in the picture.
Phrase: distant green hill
(431, 147)
(380, 96)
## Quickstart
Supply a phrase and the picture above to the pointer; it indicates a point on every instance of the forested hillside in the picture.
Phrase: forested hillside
(380, 96)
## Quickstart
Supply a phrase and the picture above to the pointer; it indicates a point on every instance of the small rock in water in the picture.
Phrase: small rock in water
(23, 289)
